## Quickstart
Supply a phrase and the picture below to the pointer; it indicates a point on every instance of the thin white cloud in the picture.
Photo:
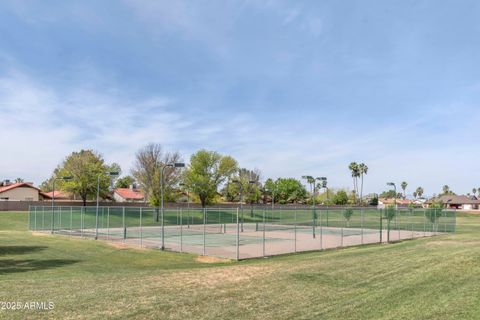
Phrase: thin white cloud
(40, 126)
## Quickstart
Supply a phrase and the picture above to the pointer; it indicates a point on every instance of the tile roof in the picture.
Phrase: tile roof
(454, 199)
(397, 201)
(128, 193)
(58, 194)
(17, 185)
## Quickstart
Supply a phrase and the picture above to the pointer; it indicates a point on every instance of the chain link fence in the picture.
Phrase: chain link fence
(241, 233)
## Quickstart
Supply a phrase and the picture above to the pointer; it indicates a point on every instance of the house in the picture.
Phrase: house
(19, 191)
(383, 202)
(59, 195)
(131, 194)
(456, 202)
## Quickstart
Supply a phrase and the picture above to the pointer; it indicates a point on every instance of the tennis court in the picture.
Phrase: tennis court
(241, 233)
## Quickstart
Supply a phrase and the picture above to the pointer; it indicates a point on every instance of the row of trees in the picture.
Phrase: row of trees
(418, 193)
(209, 177)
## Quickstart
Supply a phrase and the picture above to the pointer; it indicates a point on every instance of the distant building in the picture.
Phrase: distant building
(59, 195)
(383, 202)
(131, 194)
(456, 202)
(20, 191)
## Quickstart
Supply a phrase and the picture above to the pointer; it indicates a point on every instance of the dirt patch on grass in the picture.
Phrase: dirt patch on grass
(215, 277)
(207, 259)
(41, 234)
(122, 246)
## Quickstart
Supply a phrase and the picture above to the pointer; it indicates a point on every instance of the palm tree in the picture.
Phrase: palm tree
(353, 166)
(415, 194)
(311, 182)
(446, 189)
(419, 192)
(474, 192)
(363, 170)
(17, 180)
(404, 185)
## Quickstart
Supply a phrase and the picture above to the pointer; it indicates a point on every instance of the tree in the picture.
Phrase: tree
(446, 190)
(270, 188)
(340, 198)
(474, 191)
(311, 183)
(206, 172)
(250, 182)
(347, 214)
(419, 192)
(390, 213)
(18, 180)
(289, 190)
(125, 182)
(85, 167)
(389, 194)
(374, 201)
(355, 172)
(362, 170)
(433, 214)
(147, 171)
(404, 185)
(228, 193)
(415, 194)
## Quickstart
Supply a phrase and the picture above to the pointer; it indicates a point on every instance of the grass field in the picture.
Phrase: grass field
(428, 278)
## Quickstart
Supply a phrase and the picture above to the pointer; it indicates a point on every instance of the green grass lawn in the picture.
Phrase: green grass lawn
(429, 278)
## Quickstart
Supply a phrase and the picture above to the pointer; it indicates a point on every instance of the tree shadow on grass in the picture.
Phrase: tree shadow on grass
(8, 266)
(8, 250)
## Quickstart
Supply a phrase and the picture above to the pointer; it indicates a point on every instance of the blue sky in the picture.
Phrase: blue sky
(288, 87)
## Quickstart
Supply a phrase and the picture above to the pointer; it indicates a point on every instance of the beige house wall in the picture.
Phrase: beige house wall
(20, 194)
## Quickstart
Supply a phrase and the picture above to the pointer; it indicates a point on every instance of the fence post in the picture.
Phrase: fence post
(445, 222)
(424, 222)
(381, 226)
(295, 228)
(412, 218)
(123, 224)
(163, 228)
(108, 223)
(263, 238)
(389, 221)
(96, 222)
(141, 229)
(204, 225)
(243, 218)
(313, 222)
(71, 220)
(238, 238)
(343, 225)
(327, 217)
(81, 220)
(181, 230)
(35, 228)
(60, 218)
(361, 222)
(399, 220)
(321, 230)
(53, 218)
